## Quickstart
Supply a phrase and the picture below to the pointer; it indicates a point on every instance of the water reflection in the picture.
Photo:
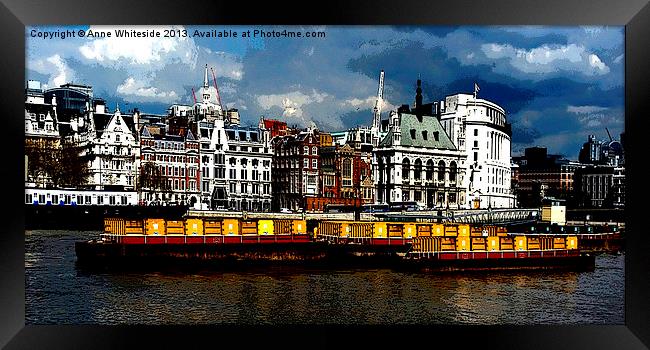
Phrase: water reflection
(58, 293)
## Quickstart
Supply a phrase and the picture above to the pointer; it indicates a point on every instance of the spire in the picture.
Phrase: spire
(418, 95)
(117, 107)
(205, 77)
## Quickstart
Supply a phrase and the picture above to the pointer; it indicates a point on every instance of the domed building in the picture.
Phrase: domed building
(480, 131)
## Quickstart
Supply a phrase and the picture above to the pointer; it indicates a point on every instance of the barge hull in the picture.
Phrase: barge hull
(303, 253)
(568, 260)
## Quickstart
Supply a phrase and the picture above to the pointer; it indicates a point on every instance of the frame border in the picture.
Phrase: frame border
(15, 15)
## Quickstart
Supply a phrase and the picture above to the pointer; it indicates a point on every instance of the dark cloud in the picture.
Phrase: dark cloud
(523, 135)
(331, 81)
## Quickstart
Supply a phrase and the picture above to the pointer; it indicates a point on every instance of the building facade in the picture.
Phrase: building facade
(417, 161)
(41, 135)
(296, 170)
(479, 129)
(169, 168)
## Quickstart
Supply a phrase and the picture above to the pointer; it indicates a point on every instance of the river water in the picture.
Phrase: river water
(58, 292)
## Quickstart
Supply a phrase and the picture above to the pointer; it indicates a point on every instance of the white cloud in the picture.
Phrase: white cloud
(619, 59)
(141, 51)
(139, 91)
(548, 58)
(595, 62)
(54, 66)
(585, 109)
(292, 102)
(368, 102)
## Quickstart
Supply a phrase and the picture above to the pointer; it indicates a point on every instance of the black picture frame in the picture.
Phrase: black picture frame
(16, 14)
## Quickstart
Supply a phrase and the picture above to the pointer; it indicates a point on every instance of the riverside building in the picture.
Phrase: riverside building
(479, 129)
(417, 161)
(235, 160)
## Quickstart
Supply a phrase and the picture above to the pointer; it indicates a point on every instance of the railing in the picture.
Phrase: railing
(496, 216)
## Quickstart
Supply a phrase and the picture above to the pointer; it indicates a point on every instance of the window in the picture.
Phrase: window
(441, 170)
(232, 148)
(233, 174)
(417, 172)
(305, 163)
(417, 196)
(244, 188)
(405, 169)
(429, 170)
(475, 143)
(243, 174)
(475, 132)
(475, 156)
(413, 134)
(255, 162)
(328, 180)
(314, 163)
(347, 172)
(452, 172)
(314, 151)
(244, 162)
(424, 135)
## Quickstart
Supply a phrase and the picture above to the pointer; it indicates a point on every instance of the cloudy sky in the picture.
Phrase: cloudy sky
(557, 84)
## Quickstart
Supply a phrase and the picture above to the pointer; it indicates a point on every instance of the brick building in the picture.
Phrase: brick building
(169, 167)
(295, 169)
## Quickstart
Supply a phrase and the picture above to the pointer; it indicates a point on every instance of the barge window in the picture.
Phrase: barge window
(28, 198)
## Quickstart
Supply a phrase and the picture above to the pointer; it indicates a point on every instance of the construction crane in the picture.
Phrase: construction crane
(214, 77)
(194, 95)
(608, 134)
(376, 119)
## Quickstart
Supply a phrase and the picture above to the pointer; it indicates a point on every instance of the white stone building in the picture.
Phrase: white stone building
(416, 161)
(112, 149)
(235, 160)
(479, 129)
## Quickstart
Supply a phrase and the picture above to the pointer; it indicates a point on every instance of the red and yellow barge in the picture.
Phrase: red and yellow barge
(410, 244)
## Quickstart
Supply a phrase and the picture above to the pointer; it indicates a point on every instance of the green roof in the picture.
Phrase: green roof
(414, 132)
